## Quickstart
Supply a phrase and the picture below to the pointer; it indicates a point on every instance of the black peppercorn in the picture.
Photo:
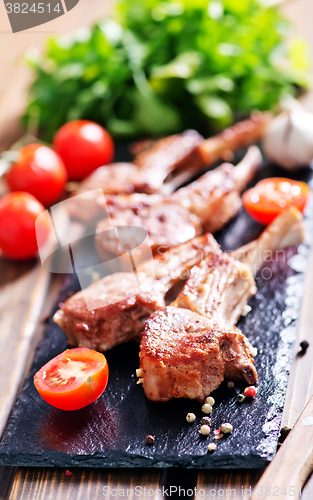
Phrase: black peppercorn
(304, 345)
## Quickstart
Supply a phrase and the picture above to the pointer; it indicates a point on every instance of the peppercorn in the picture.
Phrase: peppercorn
(206, 408)
(206, 421)
(230, 384)
(191, 417)
(226, 428)
(250, 392)
(150, 439)
(284, 431)
(204, 430)
(212, 447)
(210, 401)
(241, 398)
(304, 345)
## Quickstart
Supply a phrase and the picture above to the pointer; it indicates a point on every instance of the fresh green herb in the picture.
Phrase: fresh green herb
(162, 66)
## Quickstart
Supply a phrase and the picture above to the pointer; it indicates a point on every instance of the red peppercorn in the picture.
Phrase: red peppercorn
(68, 473)
(250, 392)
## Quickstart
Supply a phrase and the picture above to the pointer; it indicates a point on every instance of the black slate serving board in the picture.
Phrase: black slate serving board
(111, 432)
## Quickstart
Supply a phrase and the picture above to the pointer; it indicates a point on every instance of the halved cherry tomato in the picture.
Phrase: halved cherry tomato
(73, 379)
(38, 171)
(18, 234)
(84, 146)
(269, 197)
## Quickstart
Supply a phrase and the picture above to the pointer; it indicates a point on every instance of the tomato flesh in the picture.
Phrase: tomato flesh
(272, 196)
(84, 146)
(39, 171)
(18, 233)
(73, 379)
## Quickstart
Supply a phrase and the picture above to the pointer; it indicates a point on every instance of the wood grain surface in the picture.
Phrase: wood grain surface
(54, 484)
(23, 296)
(293, 463)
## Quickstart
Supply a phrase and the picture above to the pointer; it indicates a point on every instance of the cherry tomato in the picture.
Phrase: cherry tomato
(18, 235)
(272, 196)
(73, 379)
(83, 146)
(39, 171)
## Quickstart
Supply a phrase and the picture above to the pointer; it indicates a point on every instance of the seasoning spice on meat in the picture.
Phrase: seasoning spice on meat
(150, 439)
(191, 417)
(207, 408)
(205, 430)
(206, 421)
(226, 428)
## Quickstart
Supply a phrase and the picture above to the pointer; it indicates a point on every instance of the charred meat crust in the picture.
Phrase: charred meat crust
(183, 354)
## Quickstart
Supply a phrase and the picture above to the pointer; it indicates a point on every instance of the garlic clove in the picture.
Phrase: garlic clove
(288, 140)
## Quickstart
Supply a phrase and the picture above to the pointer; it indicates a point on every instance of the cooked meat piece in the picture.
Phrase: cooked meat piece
(113, 179)
(112, 310)
(167, 224)
(146, 175)
(219, 288)
(184, 354)
(216, 193)
(238, 136)
(205, 205)
(166, 156)
(176, 262)
(167, 164)
(118, 308)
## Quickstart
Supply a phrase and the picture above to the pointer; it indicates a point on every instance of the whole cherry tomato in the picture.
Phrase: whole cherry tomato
(38, 171)
(269, 197)
(84, 146)
(73, 379)
(18, 235)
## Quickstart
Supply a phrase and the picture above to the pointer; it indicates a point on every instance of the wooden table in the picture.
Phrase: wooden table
(27, 293)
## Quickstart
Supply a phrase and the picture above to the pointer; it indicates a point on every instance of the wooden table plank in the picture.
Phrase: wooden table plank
(23, 292)
(53, 484)
(227, 484)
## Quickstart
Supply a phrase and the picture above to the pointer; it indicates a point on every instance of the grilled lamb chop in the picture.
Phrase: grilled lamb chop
(166, 165)
(205, 205)
(189, 348)
(146, 175)
(184, 354)
(119, 303)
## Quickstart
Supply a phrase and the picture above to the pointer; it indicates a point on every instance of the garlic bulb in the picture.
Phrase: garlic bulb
(288, 140)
